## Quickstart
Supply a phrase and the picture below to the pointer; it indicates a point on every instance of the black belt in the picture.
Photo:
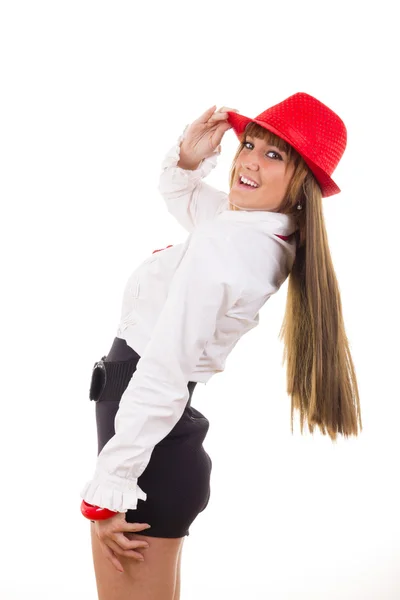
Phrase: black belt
(110, 378)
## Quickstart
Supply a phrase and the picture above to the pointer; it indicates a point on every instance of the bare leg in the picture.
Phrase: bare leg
(178, 575)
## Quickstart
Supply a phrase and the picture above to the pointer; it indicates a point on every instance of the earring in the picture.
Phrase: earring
(299, 207)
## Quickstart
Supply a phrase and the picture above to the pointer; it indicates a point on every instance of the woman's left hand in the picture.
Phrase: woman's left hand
(113, 542)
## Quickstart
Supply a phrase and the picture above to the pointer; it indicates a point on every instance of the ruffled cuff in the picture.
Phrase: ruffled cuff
(173, 155)
(115, 493)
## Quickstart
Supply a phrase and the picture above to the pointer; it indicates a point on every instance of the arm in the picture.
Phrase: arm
(188, 198)
(157, 394)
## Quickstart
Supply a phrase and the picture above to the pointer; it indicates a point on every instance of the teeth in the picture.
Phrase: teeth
(244, 180)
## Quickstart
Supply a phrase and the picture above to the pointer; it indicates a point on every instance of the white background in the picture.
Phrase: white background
(93, 94)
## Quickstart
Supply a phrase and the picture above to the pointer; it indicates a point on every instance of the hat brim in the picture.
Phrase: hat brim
(326, 183)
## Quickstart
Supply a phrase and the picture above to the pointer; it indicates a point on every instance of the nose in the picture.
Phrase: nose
(251, 164)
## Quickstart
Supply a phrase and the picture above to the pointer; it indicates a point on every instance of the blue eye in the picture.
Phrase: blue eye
(245, 144)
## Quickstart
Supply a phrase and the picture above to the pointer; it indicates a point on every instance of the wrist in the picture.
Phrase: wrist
(188, 166)
(95, 513)
(185, 162)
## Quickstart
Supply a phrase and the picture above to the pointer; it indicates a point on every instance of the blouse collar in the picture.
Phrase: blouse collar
(271, 221)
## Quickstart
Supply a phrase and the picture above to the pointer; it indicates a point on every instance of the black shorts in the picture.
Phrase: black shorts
(177, 477)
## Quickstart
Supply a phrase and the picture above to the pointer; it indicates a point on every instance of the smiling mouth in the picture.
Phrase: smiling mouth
(245, 186)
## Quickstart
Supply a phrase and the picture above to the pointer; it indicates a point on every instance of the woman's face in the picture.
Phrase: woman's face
(267, 167)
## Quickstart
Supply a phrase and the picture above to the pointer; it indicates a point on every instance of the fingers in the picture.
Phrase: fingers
(109, 554)
(212, 115)
(126, 544)
(134, 526)
(220, 131)
(225, 109)
(222, 113)
(206, 115)
(116, 548)
(113, 540)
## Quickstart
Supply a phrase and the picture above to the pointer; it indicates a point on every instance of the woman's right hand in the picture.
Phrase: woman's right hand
(204, 136)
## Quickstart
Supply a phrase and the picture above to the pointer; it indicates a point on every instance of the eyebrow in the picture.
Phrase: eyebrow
(271, 145)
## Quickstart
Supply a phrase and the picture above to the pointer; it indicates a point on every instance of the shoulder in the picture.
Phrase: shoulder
(260, 260)
(250, 244)
(241, 255)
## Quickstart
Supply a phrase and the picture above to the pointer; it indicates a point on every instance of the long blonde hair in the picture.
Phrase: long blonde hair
(321, 378)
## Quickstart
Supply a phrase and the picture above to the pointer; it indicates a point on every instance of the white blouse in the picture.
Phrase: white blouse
(183, 311)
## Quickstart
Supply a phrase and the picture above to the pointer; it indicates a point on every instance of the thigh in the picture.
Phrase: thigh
(153, 579)
(178, 576)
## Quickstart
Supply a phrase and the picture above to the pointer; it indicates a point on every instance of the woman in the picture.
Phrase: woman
(185, 308)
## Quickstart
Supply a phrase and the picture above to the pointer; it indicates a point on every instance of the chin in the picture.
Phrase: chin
(240, 203)
(237, 202)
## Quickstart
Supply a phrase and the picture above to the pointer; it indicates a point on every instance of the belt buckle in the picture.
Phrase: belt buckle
(98, 379)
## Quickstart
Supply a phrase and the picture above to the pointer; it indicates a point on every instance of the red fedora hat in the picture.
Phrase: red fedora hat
(312, 128)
